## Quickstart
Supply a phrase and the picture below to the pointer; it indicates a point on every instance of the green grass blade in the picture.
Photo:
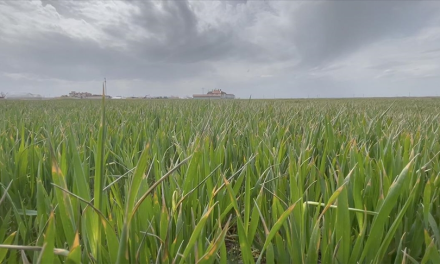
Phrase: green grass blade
(343, 227)
(376, 232)
(74, 256)
(211, 251)
(432, 254)
(392, 230)
(276, 227)
(195, 234)
(8, 241)
(99, 179)
(243, 240)
(47, 253)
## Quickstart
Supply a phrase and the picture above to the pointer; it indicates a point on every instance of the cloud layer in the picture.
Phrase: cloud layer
(260, 48)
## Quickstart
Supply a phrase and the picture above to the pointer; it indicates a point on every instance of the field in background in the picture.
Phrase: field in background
(270, 181)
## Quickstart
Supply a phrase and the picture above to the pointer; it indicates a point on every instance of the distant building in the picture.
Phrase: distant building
(214, 94)
(79, 94)
(86, 95)
(161, 97)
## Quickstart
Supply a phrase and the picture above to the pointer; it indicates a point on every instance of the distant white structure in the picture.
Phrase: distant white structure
(214, 94)
(23, 96)
(86, 95)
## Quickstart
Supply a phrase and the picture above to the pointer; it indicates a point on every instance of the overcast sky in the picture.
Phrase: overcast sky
(263, 49)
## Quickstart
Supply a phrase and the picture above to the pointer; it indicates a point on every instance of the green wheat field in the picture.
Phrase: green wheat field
(239, 181)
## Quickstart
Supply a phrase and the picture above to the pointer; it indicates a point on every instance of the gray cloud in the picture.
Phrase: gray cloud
(290, 48)
(325, 31)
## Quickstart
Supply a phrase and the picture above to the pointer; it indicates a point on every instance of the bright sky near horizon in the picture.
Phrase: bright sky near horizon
(263, 49)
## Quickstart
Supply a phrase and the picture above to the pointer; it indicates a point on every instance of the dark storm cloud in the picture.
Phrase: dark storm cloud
(174, 35)
(325, 31)
(72, 59)
(172, 39)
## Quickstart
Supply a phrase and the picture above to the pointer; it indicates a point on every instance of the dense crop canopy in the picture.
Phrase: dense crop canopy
(182, 181)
